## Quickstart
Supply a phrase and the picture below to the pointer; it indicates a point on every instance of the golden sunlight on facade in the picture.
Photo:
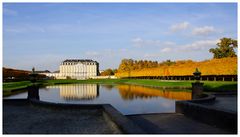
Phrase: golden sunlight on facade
(76, 69)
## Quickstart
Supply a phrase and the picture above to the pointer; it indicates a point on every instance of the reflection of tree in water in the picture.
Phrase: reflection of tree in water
(108, 87)
(130, 92)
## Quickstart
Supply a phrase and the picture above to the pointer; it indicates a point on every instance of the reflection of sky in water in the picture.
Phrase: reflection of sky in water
(128, 99)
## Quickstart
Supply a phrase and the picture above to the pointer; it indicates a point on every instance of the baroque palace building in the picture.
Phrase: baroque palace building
(79, 69)
(76, 69)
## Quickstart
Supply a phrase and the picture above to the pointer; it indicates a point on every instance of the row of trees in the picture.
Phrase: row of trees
(9, 73)
(224, 62)
(130, 64)
(223, 66)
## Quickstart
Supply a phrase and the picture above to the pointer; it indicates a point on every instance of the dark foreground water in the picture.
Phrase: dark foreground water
(128, 99)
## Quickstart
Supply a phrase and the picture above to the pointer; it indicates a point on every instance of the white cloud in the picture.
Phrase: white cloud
(92, 54)
(123, 50)
(109, 52)
(147, 55)
(203, 30)
(14, 30)
(199, 45)
(139, 42)
(180, 26)
(24, 29)
(169, 43)
(9, 12)
(154, 55)
(166, 50)
(104, 53)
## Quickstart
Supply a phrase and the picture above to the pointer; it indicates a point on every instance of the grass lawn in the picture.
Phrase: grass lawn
(208, 85)
(8, 87)
(220, 86)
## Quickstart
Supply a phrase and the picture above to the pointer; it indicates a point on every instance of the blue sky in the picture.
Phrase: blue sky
(44, 34)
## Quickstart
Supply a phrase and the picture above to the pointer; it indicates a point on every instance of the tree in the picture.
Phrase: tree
(225, 48)
(107, 72)
(126, 65)
(167, 62)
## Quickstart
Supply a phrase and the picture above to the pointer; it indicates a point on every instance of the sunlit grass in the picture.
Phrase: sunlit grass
(208, 85)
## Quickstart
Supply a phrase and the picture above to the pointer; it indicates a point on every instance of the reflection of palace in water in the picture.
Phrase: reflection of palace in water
(129, 92)
(78, 91)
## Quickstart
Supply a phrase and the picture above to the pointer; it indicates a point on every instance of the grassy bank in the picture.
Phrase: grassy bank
(208, 85)
(8, 87)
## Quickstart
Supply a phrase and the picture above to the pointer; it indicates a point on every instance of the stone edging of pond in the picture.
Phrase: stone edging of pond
(213, 116)
(205, 98)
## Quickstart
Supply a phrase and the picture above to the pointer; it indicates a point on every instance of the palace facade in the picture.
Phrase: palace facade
(76, 69)
(79, 69)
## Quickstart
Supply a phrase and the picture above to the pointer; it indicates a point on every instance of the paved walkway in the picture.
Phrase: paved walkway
(223, 102)
(27, 119)
(176, 123)
(172, 123)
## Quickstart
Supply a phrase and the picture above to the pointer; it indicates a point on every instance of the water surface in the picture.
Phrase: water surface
(128, 99)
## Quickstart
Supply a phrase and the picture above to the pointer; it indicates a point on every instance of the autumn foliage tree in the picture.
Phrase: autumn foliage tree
(223, 63)
(18, 75)
(223, 66)
(10, 74)
(130, 64)
(108, 72)
(225, 48)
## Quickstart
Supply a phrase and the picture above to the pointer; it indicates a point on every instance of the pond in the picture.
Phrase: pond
(128, 99)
